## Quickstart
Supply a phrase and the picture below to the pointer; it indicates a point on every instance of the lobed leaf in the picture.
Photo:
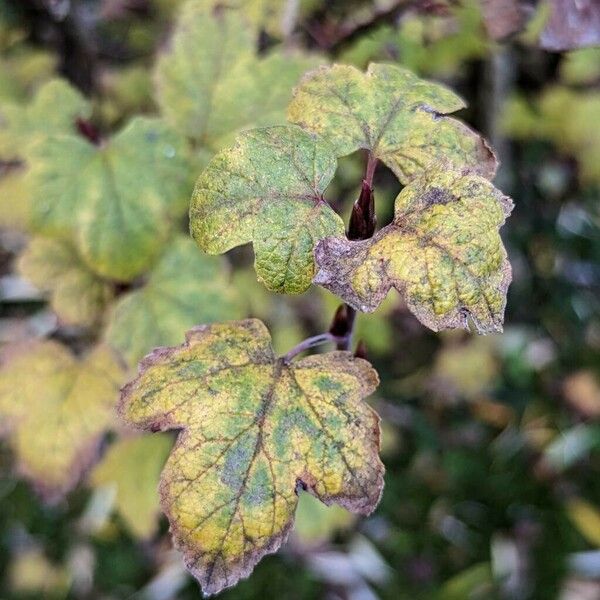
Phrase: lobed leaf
(185, 288)
(442, 252)
(117, 201)
(392, 113)
(77, 295)
(133, 465)
(53, 111)
(254, 429)
(55, 408)
(210, 83)
(270, 184)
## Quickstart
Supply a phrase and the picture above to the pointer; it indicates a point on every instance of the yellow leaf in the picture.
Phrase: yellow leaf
(254, 429)
(54, 408)
(133, 466)
(442, 252)
(77, 295)
(392, 113)
(586, 518)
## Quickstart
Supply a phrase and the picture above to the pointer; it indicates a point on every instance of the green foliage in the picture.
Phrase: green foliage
(184, 288)
(118, 201)
(490, 445)
(211, 83)
(271, 185)
(22, 126)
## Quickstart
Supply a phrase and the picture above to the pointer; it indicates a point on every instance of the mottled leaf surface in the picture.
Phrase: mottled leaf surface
(117, 201)
(54, 408)
(268, 188)
(133, 465)
(211, 83)
(184, 289)
(77, 295)
(254, 429)
(442, 252)
(392, 113)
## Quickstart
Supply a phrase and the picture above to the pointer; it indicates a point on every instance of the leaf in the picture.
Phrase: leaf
(53, 111)
(77, 295)
(270, 184)
(211, 83)
(117, 201)
(185, 288)
(55, 409)
(133, 466)
(317, 523)
(254, 429)
(15, 199)
(586, 518)
(442, 252)
(393, 114)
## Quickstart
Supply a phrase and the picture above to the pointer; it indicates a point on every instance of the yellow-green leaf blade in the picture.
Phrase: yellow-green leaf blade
(117, 201)
(393, 114)
(77, 295)
(211, 82)
(271, 185)
(53, 111)
(254, 429)
(442, 252)
(206, 44)
(133, 466)
(184, 289)
(55, 409)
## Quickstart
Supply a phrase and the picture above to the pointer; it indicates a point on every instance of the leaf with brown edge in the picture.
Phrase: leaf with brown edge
(55, 408)
(254, 428)
(392, 113)
(442, 252)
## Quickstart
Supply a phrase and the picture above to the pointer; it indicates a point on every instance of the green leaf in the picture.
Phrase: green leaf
(55, 408)
(270, 185)
(393, 114)
(211, 83)
(254, 429)
(77, 295)
(184, 289)
(133, 466)
(53, 111)
(117, 201)
(442, 252)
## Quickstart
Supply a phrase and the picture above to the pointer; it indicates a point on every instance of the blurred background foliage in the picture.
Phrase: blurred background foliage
(491, 444)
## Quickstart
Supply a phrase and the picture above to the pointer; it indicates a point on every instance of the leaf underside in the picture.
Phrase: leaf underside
(268, 188)
(442, 252)
(392, 113)
(254, 430)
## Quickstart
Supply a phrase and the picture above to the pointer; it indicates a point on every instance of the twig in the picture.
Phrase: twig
(311, 342)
